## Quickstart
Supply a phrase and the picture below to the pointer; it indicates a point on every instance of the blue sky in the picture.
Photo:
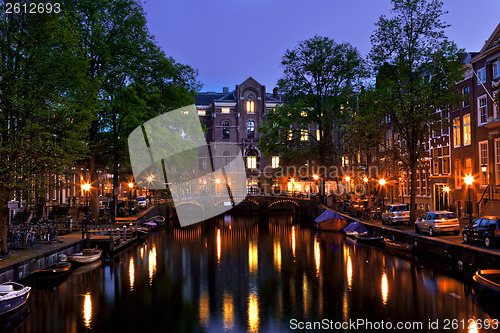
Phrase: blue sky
(229, 40)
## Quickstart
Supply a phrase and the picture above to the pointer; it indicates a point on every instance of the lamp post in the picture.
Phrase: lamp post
(468, 181)
(86, 189)
(316, 177)
(130, 187)
(149, 179)
(348, 179)
(293, 186)
(382, 183)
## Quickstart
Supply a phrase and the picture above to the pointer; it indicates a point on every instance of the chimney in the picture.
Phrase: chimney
(225, 90)
(275, 93)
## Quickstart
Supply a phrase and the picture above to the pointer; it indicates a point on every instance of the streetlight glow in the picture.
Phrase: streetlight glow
(86, 187)
(468, 180)
(365, 179)
(217, 181)
(150, 178)
(446, 189)
(315, 177)
(130, 185)
(347, 179)
(382, 181)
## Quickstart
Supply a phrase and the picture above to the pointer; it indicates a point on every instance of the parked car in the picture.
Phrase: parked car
(142, 202)
(437, 223)
(485, 229)
(396, 213)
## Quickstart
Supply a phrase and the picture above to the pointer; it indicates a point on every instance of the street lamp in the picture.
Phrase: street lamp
(293, 186)
(316, 177)
(130, 187)
(348, 179)
(149, 179)
(382, 183)
(468, 181)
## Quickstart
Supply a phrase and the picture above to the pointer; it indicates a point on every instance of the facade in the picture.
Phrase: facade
(233, 117)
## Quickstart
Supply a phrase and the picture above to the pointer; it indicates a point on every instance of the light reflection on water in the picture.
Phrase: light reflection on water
(250, 276)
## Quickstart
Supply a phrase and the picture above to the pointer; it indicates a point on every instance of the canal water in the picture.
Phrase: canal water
(238, 273)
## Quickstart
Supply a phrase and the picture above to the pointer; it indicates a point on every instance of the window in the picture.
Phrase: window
(437, 166)
(446, 165)
(290, 135)
(251, 129)
(468, 166)
(496, 69)
(303, 113)
(481, 74)
(202, 113)
(318, 135)
(467, 130)
(202, 162)
(495, 105)
(250, 107)
(225, 130)
(483, 160)
(388, 138)
(304, 135)
(465, 96)
(497, 160)
(482, 110)
(252, 160)
(226, 157)
(458, 174)
(275, 161)
(225, 110)
(456, 132)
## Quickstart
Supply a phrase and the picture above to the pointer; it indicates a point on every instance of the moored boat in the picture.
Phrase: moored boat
(370, 239)
(86, 256)
(488, 279)
(390, 244)
(330, 220)
(157, 219)
(12, 296)
(54, 271)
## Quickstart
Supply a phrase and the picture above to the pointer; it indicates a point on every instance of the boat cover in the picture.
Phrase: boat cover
(329, 215)
(356, 226)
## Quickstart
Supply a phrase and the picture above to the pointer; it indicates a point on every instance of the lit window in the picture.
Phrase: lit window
(251, 162)
(497, 160)
(481, 74)
(482, 110)
(290, 135)
(458, 175)
(495, 105)
(303, 113)
(467, 130)
(456, 132)
(304, 135)
(202, 113)
(468, 166)
(275, 162)
(225, 110)
(202, 162)
(318, 135)
(250, 107)
(446, 165)
(483, 159)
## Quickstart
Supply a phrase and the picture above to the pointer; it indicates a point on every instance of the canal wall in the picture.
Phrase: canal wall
(34, 261)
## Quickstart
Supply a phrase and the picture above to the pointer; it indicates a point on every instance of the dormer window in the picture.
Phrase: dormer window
(250, 104)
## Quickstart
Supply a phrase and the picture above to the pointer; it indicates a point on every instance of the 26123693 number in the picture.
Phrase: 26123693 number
(32, 8)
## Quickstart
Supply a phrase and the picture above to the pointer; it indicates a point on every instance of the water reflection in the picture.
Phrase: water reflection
(87, 310)
(253, 312)
(249, 275)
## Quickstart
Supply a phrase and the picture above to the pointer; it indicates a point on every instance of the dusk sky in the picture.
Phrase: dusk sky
(230, 40)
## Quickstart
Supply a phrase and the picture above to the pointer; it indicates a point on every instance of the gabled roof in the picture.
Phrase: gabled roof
(230, 97)
(206, 98)
(271, 99)
(493, 40)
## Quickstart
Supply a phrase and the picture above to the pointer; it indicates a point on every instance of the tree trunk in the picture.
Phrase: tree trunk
(4, 218)
(94, 189)
(413, 191)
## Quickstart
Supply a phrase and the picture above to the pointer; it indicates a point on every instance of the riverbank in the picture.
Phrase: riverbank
(447, 247)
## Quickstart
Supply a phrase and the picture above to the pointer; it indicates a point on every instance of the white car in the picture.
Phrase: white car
(437, 222)
(396, 213)
(142, 202)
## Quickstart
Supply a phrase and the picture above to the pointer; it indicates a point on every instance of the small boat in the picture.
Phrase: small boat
(12, 296)
(157, 219)
(330, 220)
(488, 279)
(370, 239)
(86, 256)
(53, 271)
(150, 225)
(390, 244)
(142, 233)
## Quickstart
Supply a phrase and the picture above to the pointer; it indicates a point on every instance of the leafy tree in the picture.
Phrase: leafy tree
(318, 82)
(416, 67)
(136, 80)
(45, 113)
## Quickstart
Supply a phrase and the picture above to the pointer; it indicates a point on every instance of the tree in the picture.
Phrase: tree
(136, 80)
(416, 67)
(45, 112)
(318, 82)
